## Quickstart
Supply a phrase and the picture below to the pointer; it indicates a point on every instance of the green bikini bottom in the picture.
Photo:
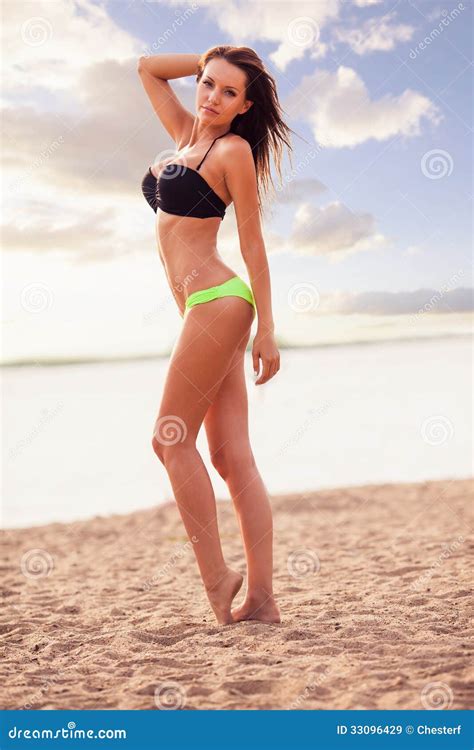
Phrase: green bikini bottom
(234, 287)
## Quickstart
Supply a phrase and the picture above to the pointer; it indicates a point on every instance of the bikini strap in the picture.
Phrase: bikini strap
(215, 139)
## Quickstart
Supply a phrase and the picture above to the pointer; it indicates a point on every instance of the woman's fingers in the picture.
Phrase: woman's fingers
(255, 359)
(269, 369)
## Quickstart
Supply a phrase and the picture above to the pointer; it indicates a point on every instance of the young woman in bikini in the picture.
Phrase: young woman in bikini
(238, 117)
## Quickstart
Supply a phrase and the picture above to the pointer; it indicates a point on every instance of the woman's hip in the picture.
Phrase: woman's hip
(232, 287)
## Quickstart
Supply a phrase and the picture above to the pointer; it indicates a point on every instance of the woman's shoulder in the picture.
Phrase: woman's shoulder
(236, 145)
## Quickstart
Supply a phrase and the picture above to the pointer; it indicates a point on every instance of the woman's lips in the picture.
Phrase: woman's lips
(210, 110)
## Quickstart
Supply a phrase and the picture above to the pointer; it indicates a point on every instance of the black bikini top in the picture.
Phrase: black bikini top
(183, 191)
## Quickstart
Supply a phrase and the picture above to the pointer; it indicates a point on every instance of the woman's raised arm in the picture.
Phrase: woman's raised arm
(154, 72)
(169, 66)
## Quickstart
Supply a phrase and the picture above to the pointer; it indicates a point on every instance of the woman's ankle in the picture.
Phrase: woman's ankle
(213, 580)
(259, 595)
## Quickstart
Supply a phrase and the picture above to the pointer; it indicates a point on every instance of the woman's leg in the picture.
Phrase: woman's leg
(226, 424)
(201, 357)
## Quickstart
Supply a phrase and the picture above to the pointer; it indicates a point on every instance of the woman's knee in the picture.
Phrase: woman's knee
(168, 448)
(233, 460)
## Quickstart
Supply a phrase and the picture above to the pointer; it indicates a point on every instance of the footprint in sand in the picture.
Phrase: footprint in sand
(298, 635)
(161, 640)
(248, 687)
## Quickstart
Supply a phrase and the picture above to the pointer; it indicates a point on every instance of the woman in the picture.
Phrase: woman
(237, 118)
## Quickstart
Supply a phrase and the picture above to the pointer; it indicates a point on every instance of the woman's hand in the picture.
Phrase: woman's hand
(265, 348)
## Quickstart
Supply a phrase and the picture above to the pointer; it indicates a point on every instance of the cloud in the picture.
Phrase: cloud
(43, 235)
(331, 230)
(70, 162)
(66, 168)
(47, 44)
(375, 35)
(341, 113)
(98, 150)
(296, 191)
(420, 301)
(366, 3)
(296, 28)
(434, 14)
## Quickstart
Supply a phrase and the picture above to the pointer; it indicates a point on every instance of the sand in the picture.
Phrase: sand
(372, 583)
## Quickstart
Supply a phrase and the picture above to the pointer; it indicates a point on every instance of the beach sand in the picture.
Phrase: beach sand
(372, 584)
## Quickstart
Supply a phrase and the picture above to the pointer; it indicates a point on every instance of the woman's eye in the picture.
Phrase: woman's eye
(208, 83)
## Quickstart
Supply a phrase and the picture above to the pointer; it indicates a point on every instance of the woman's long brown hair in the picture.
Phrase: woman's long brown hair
(262, 125)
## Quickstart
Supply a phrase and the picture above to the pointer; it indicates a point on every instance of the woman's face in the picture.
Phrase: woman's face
(221, 89)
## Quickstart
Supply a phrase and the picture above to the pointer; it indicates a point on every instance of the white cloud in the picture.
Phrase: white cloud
(341, 113)
(414, 250)
(47, 44)
(333, 230)
(366, 3)
(65, 173)
(431, 301)
(434, 14)
(296, 28)
(295, 191)
(375, 35)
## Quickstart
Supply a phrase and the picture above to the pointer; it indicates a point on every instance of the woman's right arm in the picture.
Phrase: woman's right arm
(169, 66)
(154, 72)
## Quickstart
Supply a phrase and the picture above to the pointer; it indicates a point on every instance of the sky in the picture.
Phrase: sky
(368, 237)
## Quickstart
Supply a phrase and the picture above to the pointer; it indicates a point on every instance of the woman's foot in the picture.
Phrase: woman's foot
(263, 608)
(221, 594)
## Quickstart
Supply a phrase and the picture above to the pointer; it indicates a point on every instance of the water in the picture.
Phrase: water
(77, 438)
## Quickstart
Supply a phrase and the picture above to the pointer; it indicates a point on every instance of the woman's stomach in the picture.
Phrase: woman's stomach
(191, 264)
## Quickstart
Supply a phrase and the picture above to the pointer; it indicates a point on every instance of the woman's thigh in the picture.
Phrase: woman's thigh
(202, 355)
(226, 420)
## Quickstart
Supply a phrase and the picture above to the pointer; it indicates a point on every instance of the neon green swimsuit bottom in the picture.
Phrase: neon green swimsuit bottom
(234, 287)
